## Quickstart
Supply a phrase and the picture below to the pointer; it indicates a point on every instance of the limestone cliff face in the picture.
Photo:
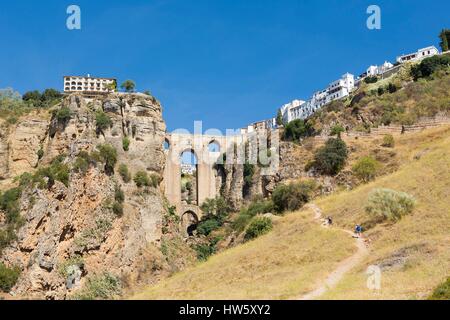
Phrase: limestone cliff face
(75, 222)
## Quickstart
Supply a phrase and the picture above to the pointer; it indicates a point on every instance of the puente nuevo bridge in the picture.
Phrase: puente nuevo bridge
(199, 144)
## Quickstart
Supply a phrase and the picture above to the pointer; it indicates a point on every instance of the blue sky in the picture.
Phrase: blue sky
(225, 62)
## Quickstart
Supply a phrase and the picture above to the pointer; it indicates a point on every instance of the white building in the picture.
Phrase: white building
(377, 70)
(292, 110)
(189, 169)
(269, 124)
(299, 109)
(420, 54)
(89, 84)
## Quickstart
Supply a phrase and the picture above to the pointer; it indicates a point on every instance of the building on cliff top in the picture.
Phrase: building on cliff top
(89, 85)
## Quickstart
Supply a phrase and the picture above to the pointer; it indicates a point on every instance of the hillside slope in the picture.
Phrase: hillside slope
(298, 255)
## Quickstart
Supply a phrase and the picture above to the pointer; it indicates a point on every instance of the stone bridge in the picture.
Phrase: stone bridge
(239, 147)
(175, 145)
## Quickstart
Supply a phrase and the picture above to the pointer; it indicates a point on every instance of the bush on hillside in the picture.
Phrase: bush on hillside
(100, 287)
(63, 115)
(8, 277)
(215, 211)
(388, 141)
(102, 121)
(430, 65)
(108, 155)
(124, 173)
(141, 179)
(386, 204)
(258, 206)
(366, 168)
(336, 130)
(442, 292)
(258, 226)
(371, 79)
(125, 143)
(297, 129)
(331, 158)
(207, 226)
(292, 196)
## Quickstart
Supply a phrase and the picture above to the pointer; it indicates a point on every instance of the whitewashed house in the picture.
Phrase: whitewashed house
(420, 54)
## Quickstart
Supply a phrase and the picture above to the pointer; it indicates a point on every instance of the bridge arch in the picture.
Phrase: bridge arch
(205, 163)
(189, 222)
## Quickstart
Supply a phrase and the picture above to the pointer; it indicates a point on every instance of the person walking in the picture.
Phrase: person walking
(358, 231)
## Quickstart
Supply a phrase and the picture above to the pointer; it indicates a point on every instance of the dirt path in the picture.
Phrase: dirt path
(343, 267)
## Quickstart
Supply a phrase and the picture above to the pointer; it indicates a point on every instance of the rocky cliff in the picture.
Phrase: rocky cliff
(70, 231)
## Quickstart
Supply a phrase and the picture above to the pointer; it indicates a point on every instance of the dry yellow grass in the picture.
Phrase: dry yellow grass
(417, 248)
(298, 253)
(280, 265)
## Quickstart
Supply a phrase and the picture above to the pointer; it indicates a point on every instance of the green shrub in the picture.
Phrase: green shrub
(366, 168)
(63, 115)
(124, 173)
(297, 129)
(217, 208)
(205, 227)
(102, 120)
(430, 65)
(331, 158)
(141, 179)
(249, 171)
(125, 143)
(117, 208)
(119, 195)
(371, 79)
(155, 180)
(258, 226)
(7, 236)
(442, 292)
(258, 206)
(204, 251)
(389, 204)
(80, 165)
(56, 171)
(40, 154)
(108, 155)
(100, 287)
(292, 196)
(391, 88)
(336, 130)
(9, 203)
(8, 277)
(388, 141)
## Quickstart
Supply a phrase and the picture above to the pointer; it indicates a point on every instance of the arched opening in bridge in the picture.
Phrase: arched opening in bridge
(189, 222)
(214, 147)
(166, 145)
(189, 177)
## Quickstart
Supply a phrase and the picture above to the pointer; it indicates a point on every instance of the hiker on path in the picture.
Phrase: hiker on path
(358, 231)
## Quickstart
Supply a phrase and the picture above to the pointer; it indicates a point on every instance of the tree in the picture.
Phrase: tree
(292, 196)
(128, 85)
(445, 39)
(108, 155)
(366, 168)
(111, 86)
(279, 119)
(51, 94)
(31, 95)
(336, 130)
(330, 159)
(102, 120)
(297, 129)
